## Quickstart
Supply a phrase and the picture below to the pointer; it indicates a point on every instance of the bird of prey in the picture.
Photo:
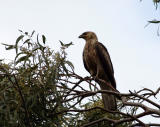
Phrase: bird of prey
(97, 62)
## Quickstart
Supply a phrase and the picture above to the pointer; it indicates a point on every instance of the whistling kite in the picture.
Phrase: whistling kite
(97, 62)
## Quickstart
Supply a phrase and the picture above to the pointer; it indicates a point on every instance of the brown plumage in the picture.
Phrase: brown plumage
(97, 62)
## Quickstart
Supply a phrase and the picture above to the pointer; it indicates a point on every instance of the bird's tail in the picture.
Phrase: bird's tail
(109, 100)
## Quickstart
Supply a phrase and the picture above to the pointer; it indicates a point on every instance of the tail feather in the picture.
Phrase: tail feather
(109, 100)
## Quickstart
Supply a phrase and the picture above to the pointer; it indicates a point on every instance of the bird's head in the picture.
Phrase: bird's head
(88, 36)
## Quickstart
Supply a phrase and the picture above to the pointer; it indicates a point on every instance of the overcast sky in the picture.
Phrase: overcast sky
(119, 26)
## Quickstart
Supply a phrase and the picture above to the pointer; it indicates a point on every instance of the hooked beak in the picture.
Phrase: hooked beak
(81, 36)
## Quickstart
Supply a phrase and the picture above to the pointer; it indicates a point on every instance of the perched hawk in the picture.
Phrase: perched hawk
(97, 62)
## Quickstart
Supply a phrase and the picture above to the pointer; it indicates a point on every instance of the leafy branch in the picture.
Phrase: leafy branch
(40, 88)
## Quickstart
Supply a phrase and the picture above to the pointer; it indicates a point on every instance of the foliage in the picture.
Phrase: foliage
(155, 2)
(29, 96)
(155, 21)
(39, 88)
(98, 113)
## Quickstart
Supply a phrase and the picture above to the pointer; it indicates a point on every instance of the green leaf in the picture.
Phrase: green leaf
(43, 39)
(40, 46)
(32, 33)
(67, 45)
(61, 43)
(18, 55)
(23, 58)
(8, 47)
(26, 41)
(18, 39)
(70, 64)
(21, 31)
(154, 21)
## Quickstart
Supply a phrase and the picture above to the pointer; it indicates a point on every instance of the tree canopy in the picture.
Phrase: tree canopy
(40, 88)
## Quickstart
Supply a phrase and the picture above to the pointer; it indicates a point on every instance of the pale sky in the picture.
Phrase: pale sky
(119, 25)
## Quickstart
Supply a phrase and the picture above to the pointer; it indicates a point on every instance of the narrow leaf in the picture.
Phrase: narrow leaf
(43, 39)
(40, 46)
(61, 43)
(8, 47)
(67, 45)
(70, 64)
(18, 55)
(23, 58)
(32, 33)
(154, 21)
(21, 31)
(18, 39)
(26, 41)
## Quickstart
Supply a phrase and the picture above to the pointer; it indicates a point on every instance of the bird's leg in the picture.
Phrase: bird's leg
(97, 75)
(92, 74)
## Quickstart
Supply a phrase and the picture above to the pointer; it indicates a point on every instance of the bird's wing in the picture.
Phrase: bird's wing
(106, 62)
(84, 62)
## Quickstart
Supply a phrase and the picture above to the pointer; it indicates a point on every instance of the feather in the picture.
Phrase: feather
(105, 60)
(97, 62)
